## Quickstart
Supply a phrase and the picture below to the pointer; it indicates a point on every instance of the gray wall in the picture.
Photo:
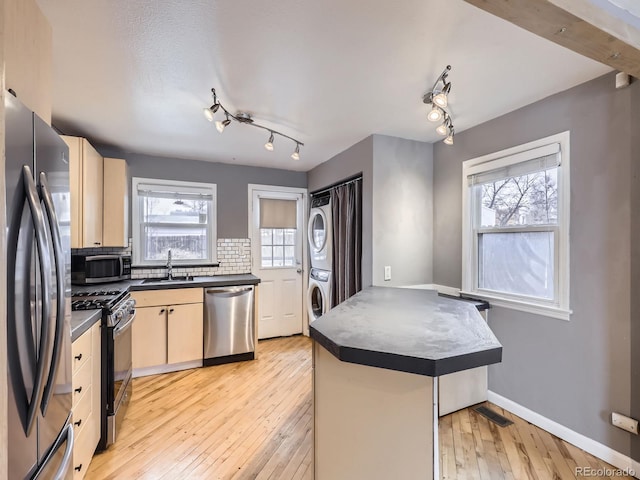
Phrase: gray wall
(635, 262)
(402, 211)
(354, 160)
(231, 181)
(575, 373)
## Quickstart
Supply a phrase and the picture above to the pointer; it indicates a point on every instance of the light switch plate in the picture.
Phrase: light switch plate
(387, 273)
(625, 423)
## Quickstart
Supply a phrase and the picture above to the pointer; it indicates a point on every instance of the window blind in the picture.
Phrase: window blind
(276, 213)
(532, 161)
(173, 193)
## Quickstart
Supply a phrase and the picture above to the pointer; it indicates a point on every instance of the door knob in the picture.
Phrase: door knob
(299, 270)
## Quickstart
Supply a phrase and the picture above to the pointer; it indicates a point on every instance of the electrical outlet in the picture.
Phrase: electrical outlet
(387, 273)
(625, 423)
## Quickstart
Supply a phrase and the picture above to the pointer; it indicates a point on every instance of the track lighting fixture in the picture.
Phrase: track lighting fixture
(439, 100)
(244, 117)
(269, 144)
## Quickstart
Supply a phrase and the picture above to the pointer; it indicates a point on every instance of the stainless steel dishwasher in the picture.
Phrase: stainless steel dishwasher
(229, 326)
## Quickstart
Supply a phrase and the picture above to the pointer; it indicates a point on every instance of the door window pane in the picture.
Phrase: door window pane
(278, 247)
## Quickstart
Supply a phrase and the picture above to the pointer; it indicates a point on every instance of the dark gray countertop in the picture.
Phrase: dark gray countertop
(83, 320)
(198, 282)
(408, 330)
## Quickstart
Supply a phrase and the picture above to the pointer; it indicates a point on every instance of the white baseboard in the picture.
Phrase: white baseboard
(593, 447)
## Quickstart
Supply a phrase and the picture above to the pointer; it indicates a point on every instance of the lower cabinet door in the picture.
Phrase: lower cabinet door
(150, 337)
(84, 447)
(184, 328)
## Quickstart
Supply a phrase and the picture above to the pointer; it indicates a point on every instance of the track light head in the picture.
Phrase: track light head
(221, 125)
(296, 154)
(442, 128)
(435, 114)
(440, 99)
(449, 139)
(208, 113)
(269, 144)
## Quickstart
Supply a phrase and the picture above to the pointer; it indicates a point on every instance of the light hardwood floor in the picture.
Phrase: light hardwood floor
(254, 420)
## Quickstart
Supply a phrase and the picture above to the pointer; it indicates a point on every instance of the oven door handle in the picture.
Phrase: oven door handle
(124, 327)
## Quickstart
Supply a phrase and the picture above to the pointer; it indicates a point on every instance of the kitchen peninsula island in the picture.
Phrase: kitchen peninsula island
(376, 362)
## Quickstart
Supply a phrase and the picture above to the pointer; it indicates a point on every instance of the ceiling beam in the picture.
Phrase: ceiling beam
(610, 41)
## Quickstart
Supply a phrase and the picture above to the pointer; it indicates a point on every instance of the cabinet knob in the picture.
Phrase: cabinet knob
(78, 423)
(78, 468)
(171, 310)
(78, 357)
(162, 311)
(96, 243)
(78, 390)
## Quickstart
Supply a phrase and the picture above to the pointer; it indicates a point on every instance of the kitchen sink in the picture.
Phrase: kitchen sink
(166, 280)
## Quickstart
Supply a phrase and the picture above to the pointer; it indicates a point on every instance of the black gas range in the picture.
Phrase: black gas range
(118, 314)
(96, 299)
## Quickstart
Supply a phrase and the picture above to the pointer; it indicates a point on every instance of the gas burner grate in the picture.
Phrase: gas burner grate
(88, 304)
(97, 293)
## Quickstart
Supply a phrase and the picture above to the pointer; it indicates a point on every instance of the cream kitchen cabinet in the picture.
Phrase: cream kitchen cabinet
(115, 215)
(28, 55)
(86, 384)
(167, 332)
(86, 167)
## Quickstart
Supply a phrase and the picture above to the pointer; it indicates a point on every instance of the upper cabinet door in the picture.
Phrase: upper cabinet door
(115, 230)
(86, 185)
(92, 196)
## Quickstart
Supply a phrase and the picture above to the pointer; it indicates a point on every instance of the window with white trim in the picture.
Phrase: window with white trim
(516, 227)
(176, 216)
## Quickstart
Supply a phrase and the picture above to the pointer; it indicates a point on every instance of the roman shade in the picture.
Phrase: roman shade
(275, 213)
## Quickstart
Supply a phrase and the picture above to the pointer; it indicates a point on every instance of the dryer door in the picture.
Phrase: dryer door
(318, 230)
(316, 301)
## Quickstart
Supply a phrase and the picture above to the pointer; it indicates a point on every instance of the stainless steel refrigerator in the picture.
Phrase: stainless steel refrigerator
(38, 297)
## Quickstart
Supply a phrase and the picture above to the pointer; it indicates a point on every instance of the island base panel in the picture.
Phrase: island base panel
(370, 422)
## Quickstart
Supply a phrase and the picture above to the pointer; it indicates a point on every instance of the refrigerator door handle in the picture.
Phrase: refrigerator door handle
(44, 350)
(65, 464)
(58, 254)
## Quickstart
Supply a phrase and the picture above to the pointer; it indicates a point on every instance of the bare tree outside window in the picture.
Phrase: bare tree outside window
(530, 199)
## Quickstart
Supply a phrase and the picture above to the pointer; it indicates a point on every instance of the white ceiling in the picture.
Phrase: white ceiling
(136, 74)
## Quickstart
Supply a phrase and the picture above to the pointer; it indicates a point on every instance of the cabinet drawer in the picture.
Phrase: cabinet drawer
(152, 298)
(81, 382)
(84, 447)
(82, 411)
(81, 350)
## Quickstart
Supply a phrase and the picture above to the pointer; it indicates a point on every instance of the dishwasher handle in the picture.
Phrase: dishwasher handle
(229, 292)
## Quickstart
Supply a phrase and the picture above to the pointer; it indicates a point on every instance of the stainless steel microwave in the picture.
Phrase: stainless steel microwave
(91, 269)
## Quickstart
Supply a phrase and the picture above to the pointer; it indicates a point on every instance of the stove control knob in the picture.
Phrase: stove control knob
(118, 315)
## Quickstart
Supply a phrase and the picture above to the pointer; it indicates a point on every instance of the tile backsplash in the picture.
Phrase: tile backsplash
(234, 258)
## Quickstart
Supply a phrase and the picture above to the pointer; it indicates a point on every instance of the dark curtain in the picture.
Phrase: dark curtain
(346, 206)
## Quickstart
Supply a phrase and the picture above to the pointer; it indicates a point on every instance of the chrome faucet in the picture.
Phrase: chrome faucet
(169, 266)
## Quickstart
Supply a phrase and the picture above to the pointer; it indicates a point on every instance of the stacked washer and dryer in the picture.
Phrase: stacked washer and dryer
(321, 250)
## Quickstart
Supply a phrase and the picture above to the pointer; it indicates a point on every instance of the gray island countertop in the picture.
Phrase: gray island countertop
(407, 330)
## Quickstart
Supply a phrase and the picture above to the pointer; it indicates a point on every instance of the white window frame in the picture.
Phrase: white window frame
(137, 215)
(559, 307)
